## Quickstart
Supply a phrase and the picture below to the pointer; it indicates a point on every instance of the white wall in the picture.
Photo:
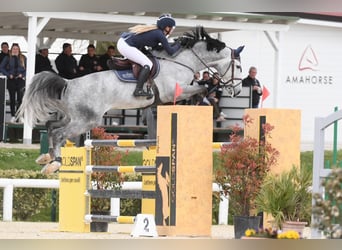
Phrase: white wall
(324, 50)
(314, 99)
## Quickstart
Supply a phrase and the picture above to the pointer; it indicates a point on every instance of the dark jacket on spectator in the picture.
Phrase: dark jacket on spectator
(43, 64)
(66, 66)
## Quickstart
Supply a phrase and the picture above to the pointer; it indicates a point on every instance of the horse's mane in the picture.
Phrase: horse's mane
(199, 34)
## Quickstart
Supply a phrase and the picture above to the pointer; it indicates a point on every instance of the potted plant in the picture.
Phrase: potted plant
(327, 208)
(245, 163)
(105, 156)
(287, 198)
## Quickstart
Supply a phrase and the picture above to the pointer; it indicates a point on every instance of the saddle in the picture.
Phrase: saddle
(128, 71)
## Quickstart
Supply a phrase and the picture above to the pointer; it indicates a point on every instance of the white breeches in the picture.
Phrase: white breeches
(133, 53)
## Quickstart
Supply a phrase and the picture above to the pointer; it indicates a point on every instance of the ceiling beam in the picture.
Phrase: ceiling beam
(119, 18)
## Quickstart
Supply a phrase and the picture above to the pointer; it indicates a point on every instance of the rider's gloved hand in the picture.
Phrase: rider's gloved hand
(159, 47)
(182, 40)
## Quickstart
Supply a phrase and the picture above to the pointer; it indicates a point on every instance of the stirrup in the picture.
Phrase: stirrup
(141, 92)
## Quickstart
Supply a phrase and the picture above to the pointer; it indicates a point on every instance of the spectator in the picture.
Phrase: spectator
(89, 63)
(196, 78)
(196, 99)
(105, 57)
(205, 76)
(214, 96)
(66, 63)
(42, 60)
(4, 51)
(14, 67)
(251, 81)
(214, 93)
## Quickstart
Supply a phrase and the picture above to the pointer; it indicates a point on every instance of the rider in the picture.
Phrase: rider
(131, 44)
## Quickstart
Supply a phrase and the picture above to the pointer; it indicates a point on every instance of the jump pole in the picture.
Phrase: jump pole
(74, 177)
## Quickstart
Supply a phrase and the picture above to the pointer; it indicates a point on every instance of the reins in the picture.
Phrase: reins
(174, 61)
(230, 65)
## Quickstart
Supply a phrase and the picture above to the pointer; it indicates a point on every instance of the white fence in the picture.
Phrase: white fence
(10, 184)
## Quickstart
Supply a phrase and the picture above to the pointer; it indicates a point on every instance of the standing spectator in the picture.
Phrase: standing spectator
(66, 63)
(14, 67)
(251, 81)
(4, 51)
(43, 62)
(89, 63)
(104, 58)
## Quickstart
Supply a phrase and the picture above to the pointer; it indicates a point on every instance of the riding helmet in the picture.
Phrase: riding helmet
(165, 20)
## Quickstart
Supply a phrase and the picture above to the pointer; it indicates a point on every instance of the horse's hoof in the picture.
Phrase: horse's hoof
(51, 167)
(43, 159)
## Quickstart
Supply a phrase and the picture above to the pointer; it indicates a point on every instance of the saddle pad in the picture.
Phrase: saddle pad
(125, 75)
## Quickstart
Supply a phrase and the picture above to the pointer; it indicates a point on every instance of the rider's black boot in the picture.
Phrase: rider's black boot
(142, 78)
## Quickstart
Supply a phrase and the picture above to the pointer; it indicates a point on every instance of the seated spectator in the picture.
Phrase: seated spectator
(196, 78)
(108, 55)
(89, 63)
(42, 60)
(66, 63)
(214, 95)
(205, 76)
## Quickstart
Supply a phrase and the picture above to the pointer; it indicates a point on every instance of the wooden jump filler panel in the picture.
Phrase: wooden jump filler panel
(184, 170)
(73, 203)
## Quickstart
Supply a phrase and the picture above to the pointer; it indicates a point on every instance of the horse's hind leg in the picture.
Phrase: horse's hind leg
(55, 139)
(45, 158)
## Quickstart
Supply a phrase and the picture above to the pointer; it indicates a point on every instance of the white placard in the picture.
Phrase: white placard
(144, 225)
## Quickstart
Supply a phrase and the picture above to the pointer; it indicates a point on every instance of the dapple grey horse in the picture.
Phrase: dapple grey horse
(70, 108)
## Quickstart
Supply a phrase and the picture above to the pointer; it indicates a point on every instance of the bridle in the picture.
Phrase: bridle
(230, 84)
(230, 65)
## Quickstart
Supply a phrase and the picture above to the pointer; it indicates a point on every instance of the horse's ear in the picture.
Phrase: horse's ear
(198, 33)
(238, 51)
(204, 34)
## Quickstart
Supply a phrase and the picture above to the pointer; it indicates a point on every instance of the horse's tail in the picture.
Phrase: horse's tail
(42, 98)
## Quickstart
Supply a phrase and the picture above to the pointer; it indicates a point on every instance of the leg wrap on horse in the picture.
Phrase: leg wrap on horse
(142, 78)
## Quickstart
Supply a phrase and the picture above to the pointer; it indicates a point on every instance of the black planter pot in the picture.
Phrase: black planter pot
(97, 226)
(242, 223)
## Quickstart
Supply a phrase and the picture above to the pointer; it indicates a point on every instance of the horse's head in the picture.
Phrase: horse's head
(217, 55)
(231, 72)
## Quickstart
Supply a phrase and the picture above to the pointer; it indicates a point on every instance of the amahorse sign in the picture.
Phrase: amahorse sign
(72, 107)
